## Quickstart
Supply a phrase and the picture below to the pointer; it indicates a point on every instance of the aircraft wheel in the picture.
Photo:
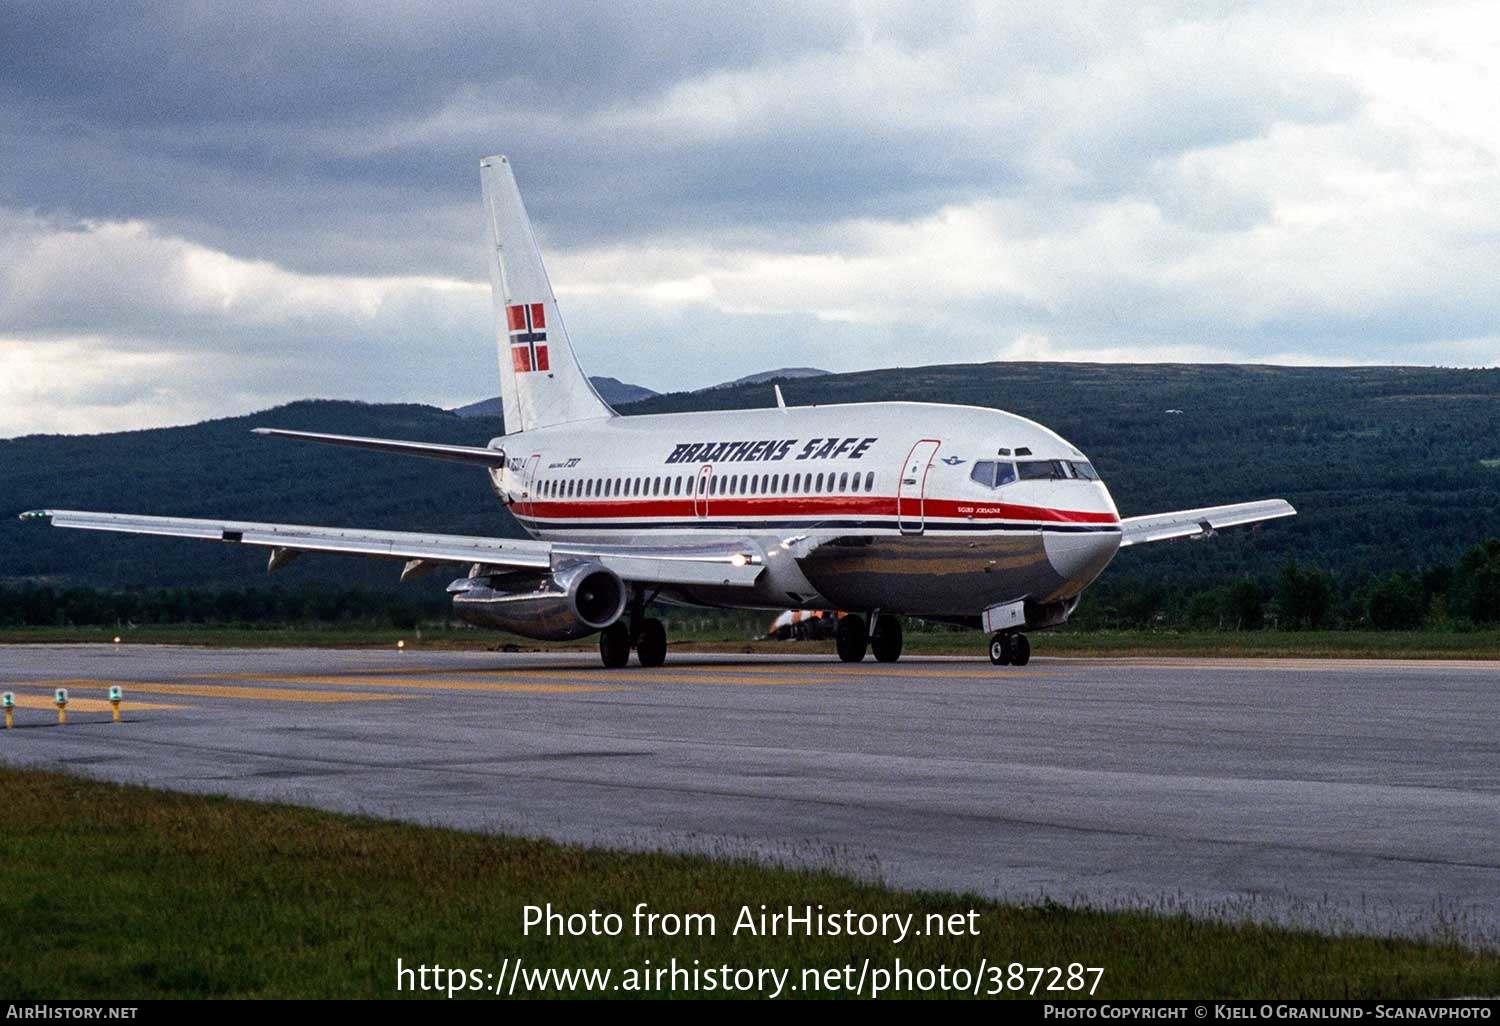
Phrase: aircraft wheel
(614, 645)
(851, 638)
(651, 646)
(885, 639)
(1020, 651)
(1000, 650)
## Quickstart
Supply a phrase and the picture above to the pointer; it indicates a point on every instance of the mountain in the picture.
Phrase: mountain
(771, 375)
(1390, 468)
(611, 390)
(618, 393)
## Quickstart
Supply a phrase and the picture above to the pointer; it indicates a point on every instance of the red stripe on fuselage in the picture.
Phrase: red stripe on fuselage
(736, 507)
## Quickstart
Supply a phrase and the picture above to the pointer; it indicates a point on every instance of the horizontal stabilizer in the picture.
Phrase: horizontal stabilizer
(1190, 523)
(431, 450)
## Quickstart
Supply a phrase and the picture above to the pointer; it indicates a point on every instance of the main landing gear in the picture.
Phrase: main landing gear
(852, 638)
(645, 634)
(1010, 650)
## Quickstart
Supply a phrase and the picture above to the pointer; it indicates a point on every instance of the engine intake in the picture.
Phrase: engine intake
(565, 604)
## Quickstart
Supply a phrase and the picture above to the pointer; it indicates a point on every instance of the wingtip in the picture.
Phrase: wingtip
(262, 431)
(37, 514)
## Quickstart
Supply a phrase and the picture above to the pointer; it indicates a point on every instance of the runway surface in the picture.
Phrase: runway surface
(1341, 795)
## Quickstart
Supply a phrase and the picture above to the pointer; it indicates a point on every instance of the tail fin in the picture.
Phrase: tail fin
(541, 383)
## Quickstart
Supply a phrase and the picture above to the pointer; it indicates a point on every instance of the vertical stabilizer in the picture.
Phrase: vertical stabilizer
(541, 383)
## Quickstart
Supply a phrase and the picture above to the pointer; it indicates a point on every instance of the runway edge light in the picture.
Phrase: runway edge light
(115, 696)
(9, 701)
(61, 698)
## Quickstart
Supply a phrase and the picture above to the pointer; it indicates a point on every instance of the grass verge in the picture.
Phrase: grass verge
(126, 892)
(1427, 644)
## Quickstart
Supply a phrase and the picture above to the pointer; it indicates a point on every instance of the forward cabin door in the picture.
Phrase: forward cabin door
(912, 490)
(700, 492)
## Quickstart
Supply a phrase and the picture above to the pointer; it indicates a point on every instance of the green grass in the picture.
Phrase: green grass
(131, 893)
(1420, 644)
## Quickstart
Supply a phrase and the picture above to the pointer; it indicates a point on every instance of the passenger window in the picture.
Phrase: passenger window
(870, 481)
(713, 485)
(843, 482)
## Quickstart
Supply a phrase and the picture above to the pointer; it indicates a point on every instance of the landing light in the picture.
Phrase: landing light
(738, 559)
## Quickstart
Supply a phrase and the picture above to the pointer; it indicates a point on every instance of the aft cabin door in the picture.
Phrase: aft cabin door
(911, 492)
(528, 483)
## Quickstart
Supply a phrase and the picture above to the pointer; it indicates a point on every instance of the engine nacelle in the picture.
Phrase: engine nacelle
(570, 603)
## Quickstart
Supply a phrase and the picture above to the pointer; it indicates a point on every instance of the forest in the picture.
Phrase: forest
(1395, 472)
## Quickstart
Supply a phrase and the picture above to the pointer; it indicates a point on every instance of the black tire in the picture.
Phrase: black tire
(885, 639)
(1000, 650)
(651, 646)
(1020, 651)
(614, 645)
(851, 638)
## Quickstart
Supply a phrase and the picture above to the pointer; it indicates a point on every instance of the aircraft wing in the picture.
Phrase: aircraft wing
(728, 563)
(1189, 523)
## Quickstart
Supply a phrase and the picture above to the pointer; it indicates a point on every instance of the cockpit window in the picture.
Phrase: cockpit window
(1045, 470)
(993, 473)
(1085, 470)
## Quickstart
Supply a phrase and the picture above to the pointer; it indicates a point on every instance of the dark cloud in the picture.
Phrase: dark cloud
(289, 131)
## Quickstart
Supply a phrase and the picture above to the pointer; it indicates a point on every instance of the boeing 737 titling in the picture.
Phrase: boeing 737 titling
(947, 513)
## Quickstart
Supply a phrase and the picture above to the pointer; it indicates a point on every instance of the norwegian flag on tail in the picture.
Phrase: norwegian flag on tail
(528, 337)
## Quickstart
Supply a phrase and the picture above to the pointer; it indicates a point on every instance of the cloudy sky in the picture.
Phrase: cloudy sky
(209, 208)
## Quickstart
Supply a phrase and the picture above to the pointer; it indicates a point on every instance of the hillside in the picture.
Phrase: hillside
(218, 468)
(1390, 467)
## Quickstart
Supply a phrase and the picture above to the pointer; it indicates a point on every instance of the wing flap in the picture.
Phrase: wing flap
(1203, 522)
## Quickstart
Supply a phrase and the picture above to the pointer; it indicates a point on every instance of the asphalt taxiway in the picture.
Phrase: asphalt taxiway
(1341, 795)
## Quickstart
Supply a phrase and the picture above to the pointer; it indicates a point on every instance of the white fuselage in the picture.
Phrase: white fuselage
(915, 508)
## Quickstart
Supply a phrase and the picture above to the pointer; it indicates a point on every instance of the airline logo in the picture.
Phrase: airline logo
(528, 337)
(770, 450)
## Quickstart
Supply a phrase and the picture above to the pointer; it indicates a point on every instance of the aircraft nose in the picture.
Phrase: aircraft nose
(1082, 556)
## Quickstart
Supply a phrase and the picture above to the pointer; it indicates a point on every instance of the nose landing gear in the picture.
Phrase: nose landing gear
(1010, 650)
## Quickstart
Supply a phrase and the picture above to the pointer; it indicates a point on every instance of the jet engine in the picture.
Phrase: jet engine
(569, 603)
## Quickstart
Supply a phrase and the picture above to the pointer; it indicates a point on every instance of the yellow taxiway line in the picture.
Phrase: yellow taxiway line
(88, 705)
(217, 691)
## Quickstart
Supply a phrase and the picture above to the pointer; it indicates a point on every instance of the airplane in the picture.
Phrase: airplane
(954, 514)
